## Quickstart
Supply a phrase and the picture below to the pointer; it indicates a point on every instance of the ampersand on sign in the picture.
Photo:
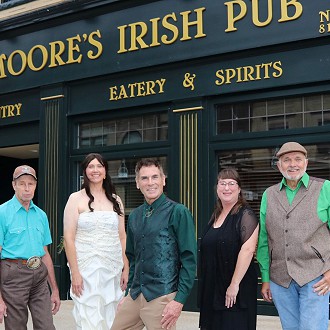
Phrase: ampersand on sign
(188, 81)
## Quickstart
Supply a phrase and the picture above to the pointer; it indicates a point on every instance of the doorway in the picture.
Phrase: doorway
(12, 157)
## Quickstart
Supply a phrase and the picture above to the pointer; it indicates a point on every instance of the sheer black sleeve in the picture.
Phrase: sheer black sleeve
(249, 223)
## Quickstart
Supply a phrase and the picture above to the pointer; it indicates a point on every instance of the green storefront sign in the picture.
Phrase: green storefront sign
(156, 33)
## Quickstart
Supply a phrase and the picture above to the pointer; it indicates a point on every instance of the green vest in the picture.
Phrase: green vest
(157, 262)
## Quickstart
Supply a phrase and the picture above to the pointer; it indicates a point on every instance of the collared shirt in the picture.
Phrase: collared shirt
(23, 234)
(181, 224)
(323, 212)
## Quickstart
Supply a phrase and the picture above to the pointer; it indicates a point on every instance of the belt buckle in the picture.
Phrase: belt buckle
(33, 262)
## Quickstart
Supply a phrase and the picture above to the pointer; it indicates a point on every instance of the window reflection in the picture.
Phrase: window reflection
(257, 168)
(277, 114)
(146, 128)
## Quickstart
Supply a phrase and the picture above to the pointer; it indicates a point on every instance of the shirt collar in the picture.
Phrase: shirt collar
(304, 180)
(17, 205)
(156, 203)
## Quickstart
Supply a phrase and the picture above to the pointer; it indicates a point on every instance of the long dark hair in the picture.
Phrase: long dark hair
(107, 184)
(228, 173)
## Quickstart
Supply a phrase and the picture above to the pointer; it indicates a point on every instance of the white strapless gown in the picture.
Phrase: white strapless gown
(100, 263)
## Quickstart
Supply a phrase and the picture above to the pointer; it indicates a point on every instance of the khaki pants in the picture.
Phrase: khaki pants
(137, 314)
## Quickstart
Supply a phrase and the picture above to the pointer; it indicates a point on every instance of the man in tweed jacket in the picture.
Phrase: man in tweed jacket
(294, 243)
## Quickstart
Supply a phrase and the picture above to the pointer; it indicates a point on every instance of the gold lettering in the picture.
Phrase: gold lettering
(258, 71)
(278, 68)
(55, 55)
(3, 111)
(255, 13)
(249, 73)
(22, 55)
(137, 89)
(161, 84)
(232, 19)
(113, 93)
(44, 58)
(122, 93)
(266, 67)
(239, 74)
(72, 47)
(324, 16)
(3, 57)
(170, 27)
(18, 108)
(132, 87)
(97, 44)
(230, 74)
(198, 23)
(139, 30)
(154, 29)
(138, 39)
(10, 110)
(150, 85)
(140, 87)
(122, 39)
(219, 74)
(284, 10)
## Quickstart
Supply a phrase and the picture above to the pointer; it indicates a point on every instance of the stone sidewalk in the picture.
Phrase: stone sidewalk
(187, 321)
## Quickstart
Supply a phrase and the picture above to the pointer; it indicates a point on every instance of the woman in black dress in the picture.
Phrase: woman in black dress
(228, 277)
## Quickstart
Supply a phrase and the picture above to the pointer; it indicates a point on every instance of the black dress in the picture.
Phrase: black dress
(219, 251)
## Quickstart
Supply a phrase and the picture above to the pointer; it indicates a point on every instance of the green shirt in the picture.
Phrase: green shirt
(161, 248)
(323, 212)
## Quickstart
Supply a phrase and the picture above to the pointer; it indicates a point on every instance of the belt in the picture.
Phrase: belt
(31, 263)
(18, 261)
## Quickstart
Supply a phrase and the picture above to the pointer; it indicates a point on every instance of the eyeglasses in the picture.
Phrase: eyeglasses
(230, 184)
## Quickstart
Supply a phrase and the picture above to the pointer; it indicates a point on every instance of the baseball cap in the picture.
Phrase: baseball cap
(291, 147)
(24, 170)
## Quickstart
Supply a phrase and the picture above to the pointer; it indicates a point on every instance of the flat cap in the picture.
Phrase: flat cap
(291, 147)
(24, 170)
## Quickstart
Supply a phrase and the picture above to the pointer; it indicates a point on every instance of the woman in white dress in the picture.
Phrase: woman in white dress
(95, 241)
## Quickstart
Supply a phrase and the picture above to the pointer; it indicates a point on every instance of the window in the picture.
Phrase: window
(257, 168)
(146, 128)
(267, 115)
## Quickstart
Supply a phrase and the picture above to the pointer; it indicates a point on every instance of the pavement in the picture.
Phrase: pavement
(63, 320)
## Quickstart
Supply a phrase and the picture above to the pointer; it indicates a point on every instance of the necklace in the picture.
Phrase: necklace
(149, 212)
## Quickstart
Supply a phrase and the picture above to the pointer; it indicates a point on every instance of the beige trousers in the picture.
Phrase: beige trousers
(139, 313)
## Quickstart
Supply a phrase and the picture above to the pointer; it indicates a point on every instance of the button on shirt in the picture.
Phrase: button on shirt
(323, 212)
(23, 234)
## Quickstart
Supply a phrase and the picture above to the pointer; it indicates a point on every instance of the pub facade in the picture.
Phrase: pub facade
(200, 85)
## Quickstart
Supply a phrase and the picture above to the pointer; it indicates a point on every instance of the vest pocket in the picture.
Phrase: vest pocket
(318, 254)
(271, 257)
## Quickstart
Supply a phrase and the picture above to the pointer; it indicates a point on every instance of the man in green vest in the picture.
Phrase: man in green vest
(294, 243)
(161, 248)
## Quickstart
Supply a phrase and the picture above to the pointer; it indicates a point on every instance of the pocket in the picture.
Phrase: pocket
(271, 257)
(318, 254)
(6, 268)
(16, 235)
(40, 234)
